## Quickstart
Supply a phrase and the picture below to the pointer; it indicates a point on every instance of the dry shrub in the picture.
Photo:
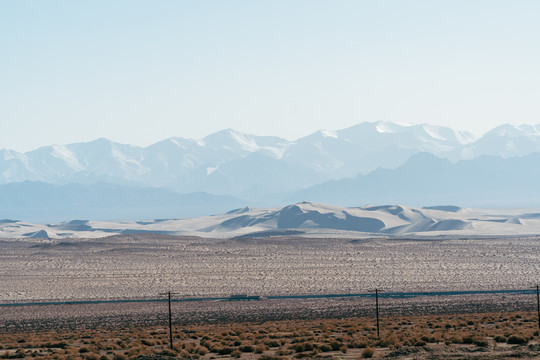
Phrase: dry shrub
(91, 357)
(481, 342)
(367, 353)
(246, 348)
(516, 340)
(500, 339)
(468, 339)
(147, 342)
(225, 351)
(236, 354)
(271, 357)
(272, 343)
(259, 349)
(283, 352)
(325, 348)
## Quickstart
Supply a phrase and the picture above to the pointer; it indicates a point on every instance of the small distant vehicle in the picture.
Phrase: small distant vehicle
(243, 297)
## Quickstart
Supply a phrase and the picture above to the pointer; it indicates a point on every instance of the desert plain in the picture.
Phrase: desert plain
(112, 288)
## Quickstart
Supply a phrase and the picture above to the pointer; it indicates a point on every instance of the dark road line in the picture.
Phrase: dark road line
(285, 297)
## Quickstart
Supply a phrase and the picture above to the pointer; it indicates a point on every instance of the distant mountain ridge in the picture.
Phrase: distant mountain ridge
(225, 157)
(372, 162)
(485, 181)
(42, 202)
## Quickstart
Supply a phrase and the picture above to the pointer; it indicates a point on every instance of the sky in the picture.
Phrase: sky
(141, 71)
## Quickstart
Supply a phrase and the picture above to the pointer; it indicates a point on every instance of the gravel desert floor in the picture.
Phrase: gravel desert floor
(107, 290)
(143, 266)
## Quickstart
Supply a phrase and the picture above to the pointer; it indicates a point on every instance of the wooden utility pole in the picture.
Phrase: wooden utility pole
(538, 304)
(170, 318)
(377, 291)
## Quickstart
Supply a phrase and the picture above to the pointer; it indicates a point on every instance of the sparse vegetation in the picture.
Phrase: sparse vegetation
(350, 338)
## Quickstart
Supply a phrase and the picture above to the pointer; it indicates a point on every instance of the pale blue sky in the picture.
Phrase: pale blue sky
(141, 71)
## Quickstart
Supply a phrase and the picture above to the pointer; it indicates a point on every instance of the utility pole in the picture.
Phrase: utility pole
(170, 317)
(377, 291)
(538, 304)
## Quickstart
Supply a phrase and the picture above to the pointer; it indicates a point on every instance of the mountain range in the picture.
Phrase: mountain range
(424, 179)
(373, 162)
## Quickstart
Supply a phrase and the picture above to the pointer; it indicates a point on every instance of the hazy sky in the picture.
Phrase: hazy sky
(141, 71)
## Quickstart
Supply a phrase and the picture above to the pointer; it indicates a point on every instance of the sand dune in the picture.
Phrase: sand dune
(307, 218)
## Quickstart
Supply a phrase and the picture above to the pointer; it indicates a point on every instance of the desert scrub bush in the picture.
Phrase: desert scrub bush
(272, 343)
(302, 347)
(324, 348)
(147, 342)
(429, 339)
(516, 340)
(246, 348)
(500, 339)
(91, 357)
(202, 351)
(225, 351)
(283, 352)
(272, 357)
(367, 353)
(467, 339)
(236, 354)
(259, 349)
(481, 342)
(387, 341)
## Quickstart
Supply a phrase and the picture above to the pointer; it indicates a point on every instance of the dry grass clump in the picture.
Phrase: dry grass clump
(353, 337)
(367, 353)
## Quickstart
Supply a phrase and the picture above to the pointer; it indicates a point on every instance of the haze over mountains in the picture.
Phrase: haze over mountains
(377, 163)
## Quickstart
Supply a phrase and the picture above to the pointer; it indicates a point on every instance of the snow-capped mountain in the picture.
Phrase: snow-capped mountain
(504, 141)
(174, 160)
(255, 167)
(368, 146)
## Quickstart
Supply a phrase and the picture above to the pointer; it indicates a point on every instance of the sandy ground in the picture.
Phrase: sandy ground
(44, 317)
(143, 266)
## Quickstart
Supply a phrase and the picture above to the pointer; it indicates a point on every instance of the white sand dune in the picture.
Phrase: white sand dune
(307, 218)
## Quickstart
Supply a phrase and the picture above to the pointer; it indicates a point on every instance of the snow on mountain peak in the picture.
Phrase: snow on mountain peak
(230, 139)
(233, 140)
(325, 154)
(66, 155)
(10, 154)
(329, 133)
(246, 141)
(434, 132)
(384, 127)
(511, 130)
